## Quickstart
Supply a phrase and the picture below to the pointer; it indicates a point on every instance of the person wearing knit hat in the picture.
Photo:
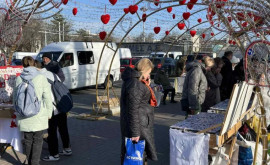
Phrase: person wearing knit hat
(52, 66)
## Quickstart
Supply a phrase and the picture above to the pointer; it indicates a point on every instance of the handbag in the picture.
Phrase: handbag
(134, 152)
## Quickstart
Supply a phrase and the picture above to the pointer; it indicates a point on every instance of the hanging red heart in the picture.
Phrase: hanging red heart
(200, 20)
(233, 42)
(186, 15)
(193, 1)
(230, 41)
(182, 2)
(169, 9)
(212, 34)
(133, 9)
(244, 24)
(173, 16)
(181, 26)
(65, 2)
(102, 35)
(192, 33)
(258, 19)
(190, 5)
(144, 17)
(105, 18)
(126, 10)
(167, 32)
(13, 116)
(156, 2)
(203, 35)
(157, 30)
(220, 3)
(258, 35)
(240, 16)
(113, 2)
(75, 11)
(230, 19)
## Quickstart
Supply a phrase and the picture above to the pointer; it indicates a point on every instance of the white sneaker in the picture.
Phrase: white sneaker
(51, 158)
(66, 152)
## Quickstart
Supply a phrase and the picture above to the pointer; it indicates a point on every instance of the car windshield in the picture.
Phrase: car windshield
(124, 61)
(55, 55)
(134, 61)
(16, 62)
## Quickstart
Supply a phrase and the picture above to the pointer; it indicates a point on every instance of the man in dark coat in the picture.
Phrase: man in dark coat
(52, 66)
(227, 74)
(137, 115)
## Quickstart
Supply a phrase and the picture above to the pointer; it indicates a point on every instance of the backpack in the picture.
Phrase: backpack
(62, 96)
(27, 103)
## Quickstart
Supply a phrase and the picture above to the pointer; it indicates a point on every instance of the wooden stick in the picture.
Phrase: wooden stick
(231, 148)
(257, 141)
(210, 128)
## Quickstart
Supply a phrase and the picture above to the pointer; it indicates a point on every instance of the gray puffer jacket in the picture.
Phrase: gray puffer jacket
(195, 85)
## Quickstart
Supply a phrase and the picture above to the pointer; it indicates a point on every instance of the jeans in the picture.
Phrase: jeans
(58, 121)
(33, 146)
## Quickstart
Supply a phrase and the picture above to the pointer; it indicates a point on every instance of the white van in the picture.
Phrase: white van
(18, 56)
(172, 55)
(79, 62)
(124, 53)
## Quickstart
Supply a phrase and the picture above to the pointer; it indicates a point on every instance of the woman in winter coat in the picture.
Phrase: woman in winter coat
(137, 108)
(33, 127)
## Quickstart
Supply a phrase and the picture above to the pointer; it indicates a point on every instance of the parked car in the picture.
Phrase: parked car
(167, 63)
(172, 55)
(128, 62)
(18, 56)
(79, 62)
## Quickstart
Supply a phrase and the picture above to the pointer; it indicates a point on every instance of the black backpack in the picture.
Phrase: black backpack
(62, 96)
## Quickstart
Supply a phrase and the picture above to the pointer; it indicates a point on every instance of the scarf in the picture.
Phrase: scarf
(153, 100)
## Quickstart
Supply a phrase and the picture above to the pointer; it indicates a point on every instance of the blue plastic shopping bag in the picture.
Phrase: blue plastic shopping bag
(245, 156)
(134, 152)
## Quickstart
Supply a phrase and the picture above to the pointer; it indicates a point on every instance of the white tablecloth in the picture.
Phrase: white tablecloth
(10, 135)
(178, 84)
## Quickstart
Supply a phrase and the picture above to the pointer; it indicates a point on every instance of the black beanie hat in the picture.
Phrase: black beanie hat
(48, 55)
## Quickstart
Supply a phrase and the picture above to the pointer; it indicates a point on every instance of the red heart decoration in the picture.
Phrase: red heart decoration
(126, 10)
(212, 34)
(173, 16)
(75, 11)
(240, 16)
(230, 41)
(234, 42)
(169, 9)
(133, 9)
(113, 2)
(244, 24)
(230, 19)
(192, 33)
(181, 26)
(167, 32)
(105, 18)
(64, 2)
(102, 35)
(199, 20)
(193, 1)
(220, 3)
(182, 2)
(258, 19)
(156, 2)
(190, 5)
(203, 35)
(156, 30)
(144, 17)
(186, 15)
(258, 35)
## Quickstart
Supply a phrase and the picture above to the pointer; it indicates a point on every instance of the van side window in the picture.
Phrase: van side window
(85, 57)
(67, 60)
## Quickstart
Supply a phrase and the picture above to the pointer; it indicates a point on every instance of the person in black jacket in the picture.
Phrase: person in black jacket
(227, 74)
(137, 108)
(52, 66)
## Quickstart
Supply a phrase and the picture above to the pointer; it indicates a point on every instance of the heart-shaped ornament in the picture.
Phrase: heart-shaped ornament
(156, 2)
(212, 34)
(144, 17)
(169, 9)
(64, 2)
(102, 35)
(126, 10)
(233, 42)
(244, 24)
(186, 15)
(157, 29)
(190, 6)
(105, 18)
(113, 2)
(181, 26)
(173, 16)
(75, 11)
(167, 32)
(200, 20)
(192, 33)
(230, 19)
(182, 2)
(193, 1)
(203, 35)
(133, 9)
(230, 41)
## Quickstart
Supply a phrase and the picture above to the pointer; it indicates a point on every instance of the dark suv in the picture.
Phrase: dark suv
(167, 63)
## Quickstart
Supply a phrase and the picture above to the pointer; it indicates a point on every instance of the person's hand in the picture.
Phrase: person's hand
(135, 139)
